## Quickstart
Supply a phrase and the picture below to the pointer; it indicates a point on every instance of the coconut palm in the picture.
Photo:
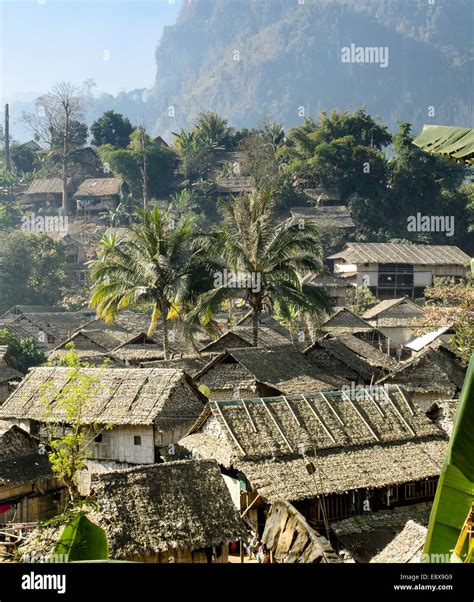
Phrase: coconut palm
(250, 245)
(152, 266)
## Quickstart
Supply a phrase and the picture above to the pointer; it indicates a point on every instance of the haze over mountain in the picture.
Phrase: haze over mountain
(250, 58)
(247, 59)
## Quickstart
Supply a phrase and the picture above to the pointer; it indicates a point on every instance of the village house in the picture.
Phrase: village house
(394, 270)
(350, 357)
(432, 374)
(171, 512)
(18, 310)
(29, 491)
(179, 512)
(50, 329)
(147, 408)
(45, 195)
(326, 453)
(344, 321)
(399, 319)
(260, 372)
(93, 345)
(97, 194)
(8, 374)
(336, 287)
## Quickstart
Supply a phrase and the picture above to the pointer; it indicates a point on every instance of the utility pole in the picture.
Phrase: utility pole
(7, 138)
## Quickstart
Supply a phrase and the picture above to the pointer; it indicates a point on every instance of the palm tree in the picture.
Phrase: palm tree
(253, 258)
(154, 265)
(214, 129)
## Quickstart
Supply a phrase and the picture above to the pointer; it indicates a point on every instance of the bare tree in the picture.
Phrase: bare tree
(55, 123)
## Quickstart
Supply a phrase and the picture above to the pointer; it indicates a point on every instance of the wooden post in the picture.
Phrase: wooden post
(241, 552)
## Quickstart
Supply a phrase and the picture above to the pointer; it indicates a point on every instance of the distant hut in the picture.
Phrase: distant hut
(96, 194)
(46, 194)
(242, 336)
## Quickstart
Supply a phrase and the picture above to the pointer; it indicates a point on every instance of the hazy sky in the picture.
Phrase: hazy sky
(110, 41)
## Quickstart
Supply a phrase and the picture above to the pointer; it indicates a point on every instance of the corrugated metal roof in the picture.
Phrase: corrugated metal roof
(374, 252)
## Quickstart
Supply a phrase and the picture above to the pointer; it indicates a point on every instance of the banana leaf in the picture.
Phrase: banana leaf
(82, 540)
(453, 142)
(455, 491)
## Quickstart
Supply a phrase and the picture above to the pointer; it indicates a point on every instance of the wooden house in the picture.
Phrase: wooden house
(257, 372)
(399, 319)
(344, 321)
(138, 349)
(8, 374)
(394, 270)
(171, 512)
(93, 345)
(148, 408)
(18, 310)
(97, 194)
(432, 374)
(46, 194)
(350, 455)
(351, 358)
(50, 329)
(29, 491)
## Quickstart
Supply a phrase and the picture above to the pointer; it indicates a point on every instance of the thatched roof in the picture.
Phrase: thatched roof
(20, 461)
(431, 370)
(375, 252)
(97, 187)
(326, 280)
(60, 325)
(344, 320)
(241, 336)
(360, 443)
(395, 312)
(191, 364)
(336, 216)
(16, 310)
(356, 355)
(125, 396)
(158, 507)
(283, 368)
(443, 413)
(407, 546)
(47, 186)
(7, 373)
(24, 468)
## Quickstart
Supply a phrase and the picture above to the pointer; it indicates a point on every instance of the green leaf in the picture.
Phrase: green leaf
(455, 492)
(82, 540)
